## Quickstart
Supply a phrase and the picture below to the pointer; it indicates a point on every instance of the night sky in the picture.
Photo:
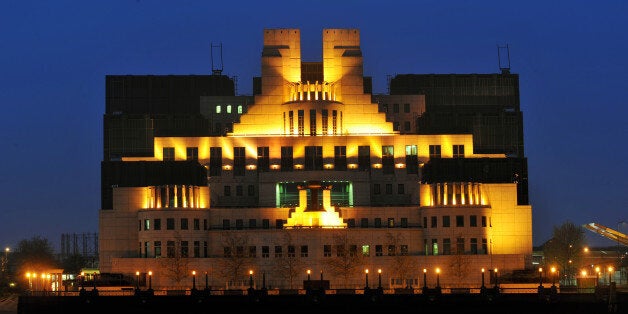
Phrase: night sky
(571, 56)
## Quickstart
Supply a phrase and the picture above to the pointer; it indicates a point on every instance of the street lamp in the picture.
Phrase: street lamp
(194, 280)
(597, 276)
(424, 277)
(379, 278)
(137, 280)
(366, 274)
(150, 280)
(308, 274)
(437, 277)
(540, 277)
(496, 281)
(553, 270)
(251, 279)
(482, 277)
(610, 272)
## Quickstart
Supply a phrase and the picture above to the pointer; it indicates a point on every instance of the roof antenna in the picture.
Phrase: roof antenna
(506, 67)
(216, 70)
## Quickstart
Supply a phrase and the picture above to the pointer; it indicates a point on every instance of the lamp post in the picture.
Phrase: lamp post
(437, 277)
(5, 262)
(366, 278)
(496, 279)
(308, 274)
(597, 276)
(321, 277)
(264, 280)
(610, 272)
(150, 280)
(194, 280)
(30, 283)
(482, 277)
(424, 278)
(137, 280)
(251, 279)
(540, 277)
(379, 278)
(553, 269)
(206, 281)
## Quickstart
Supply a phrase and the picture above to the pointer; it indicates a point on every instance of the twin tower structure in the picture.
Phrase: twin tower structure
(314, 172)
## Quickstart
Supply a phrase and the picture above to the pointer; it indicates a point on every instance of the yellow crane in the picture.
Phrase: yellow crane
(608, 233)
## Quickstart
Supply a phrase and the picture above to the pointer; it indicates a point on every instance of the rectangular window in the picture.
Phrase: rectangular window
(300, 122)
(327, 250)
(406, 108)
(191, 153)
(401, 188)
(197, 249)
(473, 221)
(227, 190)
(228, 108)
(313, 157)
(252, 223)
(350, 222)
(334, 121)
(434, 247)
(483, 221)
(474, 245)
(215, 161)
(412, 159)
(265, 224)
(146, 224)
(170, 252)
(278, 251)
(168, 153)
(388, 188)
(446, 222)
(379, 250)
(376, 189)
(458, 151)
(291, 251)
(391, 222)
(396, 108)
(291, 122)
(184, 224)
(364, 158)
(484, 247)
(340, 250)
(239, 224)
(353, 250)
(239, 161)
(252, 251)
(146, 249)
(377, 222)
(287, 162)
(304, 251)
(312, 122)
(279, 223)
(205, 249)
(388, 159)
(366, 250)
(263, 159)
(434, 222)
(197, 224)
(250, 191)
(218, 108)
(406, 126)
(265, 251)
(239, 190)
(435, 151)
(226, 251)
(157, 248)
(404, 222)
(403, 249)
(226, 224)
(324, 121)
(205, 226)
(157, 224)
(446, 246)
(340, 158)
(364, 222)
(459, 245)
(239, 109)
(169, 223)
(459, 221)
(391, 250)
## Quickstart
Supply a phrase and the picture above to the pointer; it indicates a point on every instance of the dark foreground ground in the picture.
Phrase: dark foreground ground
(317, 302)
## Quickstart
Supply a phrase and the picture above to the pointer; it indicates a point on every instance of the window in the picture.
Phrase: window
(391, 250)
(184, 224)
(197, 224)
(252, 251)
(412, 159)
(340, 158)
(473, 221)
(218, 108)
(290, 122)
(215, 161)
(484, 247)
(239, 161)
(474, 245)
(250, 191)
(205, 249)
(460, 246)
(396, 108)
(324, 120)
(400, 188)
(227, 191)
(446, 246)
(364, 158)
(157, 248)
(191, 153)
(446, 222)
(391, 222)
(300, 118)
(304, 251)
(385, 108)
(351, 223)
(434, 247)
(404, 222)
(376, 189)
(366, 250)
(279, 223)
(483, 221)
(424, 222)
(228, 108)
(458, 151)
(435, 151)
(157, 224)
(146, 224)
(378, 222)
(334, 121)
(313, 157)
(226, 224)
(312, 122)
(265, 224)
(388, 188)
(239, 109)
(205, 227)
(252, 223)
(239, 224)
(168, 153)
(364, 222)
(340, 250)
(327, 250)
(379, 250)
(169, 223)
(287, 161)
(263, 159)
(239, 190)
(291, 251)
(197, 249)
(170, 252)
(278, 251)
(434, 223)
(459, 221)
(353, 250)
(406, 108)
(226, 252)
(265, 251)
(388, 159)
(406, 126)
(403, 249)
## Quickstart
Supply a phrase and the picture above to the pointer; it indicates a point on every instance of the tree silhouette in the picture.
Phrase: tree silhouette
(565, 249)
(348, 261)
(232, 265)
(290, 265)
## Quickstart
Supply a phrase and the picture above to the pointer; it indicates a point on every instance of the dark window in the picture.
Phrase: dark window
(304, 251)
(205, 226)
(406, 126)
(406, 108)
(226, 224)
(184, 224)
(364, 222)
(412, 159)
(404, 222)
(459, 221)
(483, 221)
(324, 121)
(168, 153)
(291, 251)
(263, 159)
(434, 222)
(446, 222)
(474, 246)
(239, 190)
(334, 121)
(388, 188)
(197, 224)
(377, 222)
(351, 223)
(326, 250)
(396, 108)
(424, 222)
(215, 161)
(191, 153)
(388, 159)
(239, 224)
(312, 122)
(157, 248)
(458, 151)
(364, 158)
(197, 249)
(377, 189)
(279, 223)
(400, 189)
(340, 158)
(392, 250)
(170, 224)
(460, 246)
(157, 224)
(251, 190)
(379, 250)
(265, 223)
(239, 161)
(252, 223)
(170, 251)
(313, 157)
(185, 249)
(403, 249)
(435, 151)
(205, 249)
(484, 247)
(287, 162)
(252, 251)
(265, 251)
(446, 246)
(473, 221)
(300, 121)
(227, 190)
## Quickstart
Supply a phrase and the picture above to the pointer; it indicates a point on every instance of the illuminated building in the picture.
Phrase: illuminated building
(313, 172)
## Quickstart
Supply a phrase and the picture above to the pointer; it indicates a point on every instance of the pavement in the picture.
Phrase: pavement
(8, 304)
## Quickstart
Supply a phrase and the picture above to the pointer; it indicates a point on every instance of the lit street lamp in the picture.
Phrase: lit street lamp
(194, 280)
(553, 269)
(437, 277)
(150, 280)
(540, 277)
(137, 280)
(610, 272)
(424, 277)
(482, 277)
(366, 274)
(379, 278)
(251, 279)
(308, 274)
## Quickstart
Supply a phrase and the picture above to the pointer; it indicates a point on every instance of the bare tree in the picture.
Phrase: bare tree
(402, 265)
(232, 265)
(289, 265)
(565, 249)
(459, 264)
(175, 265)
(348, 261)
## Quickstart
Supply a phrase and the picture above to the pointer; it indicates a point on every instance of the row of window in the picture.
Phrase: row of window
(459, 248)
(395, 108)
(146, 225)
(459, 220)
(228, 109)
(183, 249)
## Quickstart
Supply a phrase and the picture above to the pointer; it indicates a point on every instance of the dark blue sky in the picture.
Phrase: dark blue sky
(572, 58)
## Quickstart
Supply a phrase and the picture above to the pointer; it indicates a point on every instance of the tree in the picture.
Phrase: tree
(348, 261)
(73, 263)
(459, 264)
(565, 249)
(289, 265)
(402, 264)
(34, 255)
(233, 264)
(175, 265)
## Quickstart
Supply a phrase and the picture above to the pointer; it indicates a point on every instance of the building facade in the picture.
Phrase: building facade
(312, 172)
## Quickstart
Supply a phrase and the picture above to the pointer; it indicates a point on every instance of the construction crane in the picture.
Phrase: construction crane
(608, 233)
